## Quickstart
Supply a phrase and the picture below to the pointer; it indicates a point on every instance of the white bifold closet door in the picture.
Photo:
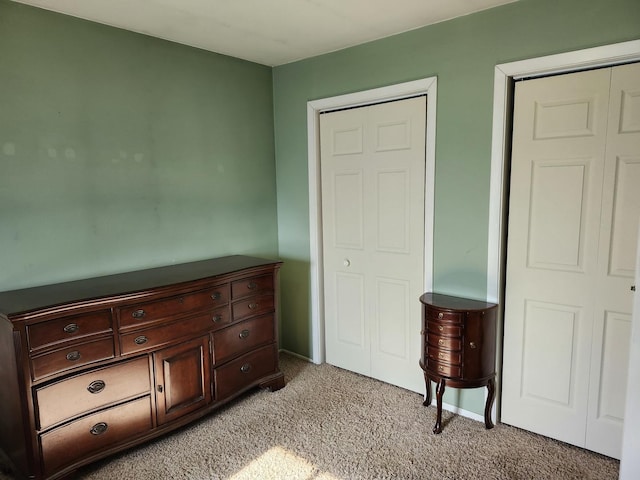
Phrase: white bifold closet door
(373, 180)
(572, 234)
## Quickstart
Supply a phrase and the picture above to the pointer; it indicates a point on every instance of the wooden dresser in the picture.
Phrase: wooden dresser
(92, 367)
(458, 347)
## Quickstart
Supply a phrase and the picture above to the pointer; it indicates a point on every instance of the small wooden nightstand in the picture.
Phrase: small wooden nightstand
(458, 347)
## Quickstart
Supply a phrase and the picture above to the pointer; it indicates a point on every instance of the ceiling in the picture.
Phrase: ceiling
(270, 32)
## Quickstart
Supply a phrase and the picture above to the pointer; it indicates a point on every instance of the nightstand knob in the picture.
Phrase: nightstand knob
(440, 342)
(441, 368)
(441, 355)
(441, 315)
(440, 328)
(472, 344)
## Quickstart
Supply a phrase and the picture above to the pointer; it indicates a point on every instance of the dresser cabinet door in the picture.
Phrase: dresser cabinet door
(183, 379)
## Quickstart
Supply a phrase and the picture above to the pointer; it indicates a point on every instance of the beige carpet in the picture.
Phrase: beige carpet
(329, 424)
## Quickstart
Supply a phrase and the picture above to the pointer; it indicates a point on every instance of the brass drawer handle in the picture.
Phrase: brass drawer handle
(252, 285)
(99, 428)
(440, 342)
(473, 345)
(253, 306)
(441, 368)
(96, 386)
(217, 318)
(244, 334)
(440, 328)
(71, 328)
(141, 340)
(441, 355)
(440, 315)
(73, 356)
(216, 296)
(138, 314)
(245, 368)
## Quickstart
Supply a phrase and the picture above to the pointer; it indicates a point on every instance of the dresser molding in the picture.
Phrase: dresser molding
(96, 366)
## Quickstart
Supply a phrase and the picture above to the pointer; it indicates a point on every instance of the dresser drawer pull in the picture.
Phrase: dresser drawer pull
(440, 315)
(71, 328)
(440, 342)
(96, 386)
(138, 314)
(245, 368)
(441, 355)
(472, 344)
(99, 428)
(141, 340)
(441, 368)
(440, 328)
(244, 334)
(253, 306)
(217, 318)
(216, 296)
(252, 285)
(73, 356)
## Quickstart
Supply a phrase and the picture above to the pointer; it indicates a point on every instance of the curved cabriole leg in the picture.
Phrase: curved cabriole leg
(439, 393)
(491, 387)
(427, 397)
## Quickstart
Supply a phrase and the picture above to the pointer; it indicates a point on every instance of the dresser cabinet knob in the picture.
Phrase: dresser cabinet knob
(441, 368)
(253, 306)
(244, 334)
(440, 342)
(160, 388)
(216, 296)
(252, 285)
(440, 315)
(441, 355)
(141, 340)
(440, 328)
(96, 386)
(473, 345)
(138, 314)
(99, 428)
(73, 356)
(71, 328)
(245, 368)
(217, 318)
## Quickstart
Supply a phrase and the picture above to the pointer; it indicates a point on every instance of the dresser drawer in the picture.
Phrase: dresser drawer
(444, 329)
(90, 391)
(66, 329)
(250, 286)
(242, 337)
(444, 369)
(167, 333)
(256, 305)
(448, 356)
(71, 357)
(94, 433)
(143, 313)
(440, 341)
(444, 316)
(242, 372)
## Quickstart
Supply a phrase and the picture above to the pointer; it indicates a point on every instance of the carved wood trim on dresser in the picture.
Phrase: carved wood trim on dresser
(92, 367)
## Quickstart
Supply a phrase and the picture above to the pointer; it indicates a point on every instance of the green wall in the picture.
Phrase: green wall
(120, 151)
(462, 53)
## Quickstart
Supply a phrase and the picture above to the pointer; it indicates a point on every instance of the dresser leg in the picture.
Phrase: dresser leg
(439, 393)
(427, 396)
(491, 387)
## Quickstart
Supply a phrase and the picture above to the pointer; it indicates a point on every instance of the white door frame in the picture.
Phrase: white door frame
(607, 55)
(504, 75)
(424, 86)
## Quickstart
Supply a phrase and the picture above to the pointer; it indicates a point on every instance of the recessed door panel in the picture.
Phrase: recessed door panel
(373, 238)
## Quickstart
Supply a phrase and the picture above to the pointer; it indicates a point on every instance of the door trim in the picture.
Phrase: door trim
(504, 75)
(424, 86)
